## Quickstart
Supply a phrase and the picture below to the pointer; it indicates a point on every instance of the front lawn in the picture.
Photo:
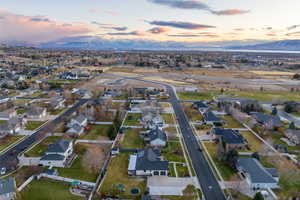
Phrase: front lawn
(21, 111)
(173, 152)
(95, 131)
(132, 139)
(192, 114)
(133, 119)
(117, 174)
(40, 148)
(226, 172)
(168, 118)
(32, 125)
(56, 112)
(47, 189)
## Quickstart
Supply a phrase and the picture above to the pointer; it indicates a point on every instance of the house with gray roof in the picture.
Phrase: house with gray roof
(269, 121)
(201, 106)
(293, 135)
(232, 138)
(156, 137)
(9, 113)
(256, 175)
(212, 119)
(79, 119)
(7, 188)
(12, 126)
(36, 112)
(147, 162)
(57, 153)
(75, 131)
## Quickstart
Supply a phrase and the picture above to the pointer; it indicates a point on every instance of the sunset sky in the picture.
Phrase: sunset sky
(166, 20)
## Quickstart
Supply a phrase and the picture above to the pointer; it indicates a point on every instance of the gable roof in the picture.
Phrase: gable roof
(257, 173)
(157, 134)
(7, 185)
(264, 118)
(53, 157)
(200, 104)
(148, 159)
(60, 146)
(80, 119)
(229, 136)
(210, 116)
(75, 128)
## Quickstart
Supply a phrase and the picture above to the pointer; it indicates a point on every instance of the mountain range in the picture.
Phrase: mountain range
(282, 45)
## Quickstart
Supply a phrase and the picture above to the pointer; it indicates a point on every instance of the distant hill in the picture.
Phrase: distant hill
(282, 45)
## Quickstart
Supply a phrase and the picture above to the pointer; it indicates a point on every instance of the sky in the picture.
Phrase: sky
(36, 21)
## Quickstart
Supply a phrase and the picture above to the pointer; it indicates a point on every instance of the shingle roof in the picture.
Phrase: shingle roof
(148, 159)
(200, 104)
(35, 110)
(157, 134)
(7, 185)
(210, 116)
(264, 118)
(257, 173)
(53, 157)
(59, 146)
(229, 136)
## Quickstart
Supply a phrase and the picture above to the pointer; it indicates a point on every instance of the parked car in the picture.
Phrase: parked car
(3, 171)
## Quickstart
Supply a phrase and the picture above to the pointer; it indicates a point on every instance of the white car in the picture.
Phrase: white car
(3, 171)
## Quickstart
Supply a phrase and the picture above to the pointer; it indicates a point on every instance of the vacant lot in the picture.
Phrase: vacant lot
(196, 95)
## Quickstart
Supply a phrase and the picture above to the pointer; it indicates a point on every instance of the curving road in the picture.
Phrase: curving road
(9, 160)
(205, 175)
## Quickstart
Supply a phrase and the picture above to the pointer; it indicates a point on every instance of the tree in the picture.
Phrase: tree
(274, 110)
(292, 126)
(190, 191)
(258, 196)
(231, 158)
(112, 133)
(255, 155)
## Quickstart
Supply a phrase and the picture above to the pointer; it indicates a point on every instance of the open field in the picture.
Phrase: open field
(47, 189)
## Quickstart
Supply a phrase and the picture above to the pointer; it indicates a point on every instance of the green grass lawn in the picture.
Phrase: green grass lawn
(267, 95)
(5, 142)
(78, 171)
(196, 95)
(226, 172)
(40, 148)
(182, 170)
(231, 123)
(63, 81)
(95, 132)
(117, 174)
(21, 111)
(171, 129)
(173, 152)
(56, 112)
(32, 125)
(192, 114)
(2, 121)
(171, 170)
(254, 143)
(132, 119)
(45, 189)
(168, 118)
(132, 139)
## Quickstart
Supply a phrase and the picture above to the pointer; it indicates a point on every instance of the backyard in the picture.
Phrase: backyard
(95, 132)
(132, 139)
(132, 119)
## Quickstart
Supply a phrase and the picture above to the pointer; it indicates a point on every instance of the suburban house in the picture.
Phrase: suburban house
(156, 137)
(111, 93)
(57, 102)
(8, 113)
(256, 175)
(35, 112)
(293, 135)
(151, 120)
(201, 106)
(4, 99)
(268, 121)
(80, 120)
(12, 126)
(212, 119)
(147, 162)
(75, 130)
(85, 94)
(57, 153)
(245, 105)
(232, 138)
(68, 76)
(7, 188)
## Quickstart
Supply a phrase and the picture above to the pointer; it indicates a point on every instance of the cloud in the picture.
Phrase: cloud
(181, 25)
(133, 33)
(158, 30)
(188, 35)
(293, 27)
(197, 5)
(110, 26)
(16, 27)
(293, 34)
(230, 12)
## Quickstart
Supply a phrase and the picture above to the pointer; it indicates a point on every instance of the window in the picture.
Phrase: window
(156, 173)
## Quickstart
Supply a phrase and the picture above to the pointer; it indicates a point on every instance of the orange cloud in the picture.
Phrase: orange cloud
(36, 28)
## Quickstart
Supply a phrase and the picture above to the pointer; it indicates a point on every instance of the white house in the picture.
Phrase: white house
(156, 137)
(147, 162)
(256, 175)
(57, 153)
(80, 120)
(35, 112)
(76, 130)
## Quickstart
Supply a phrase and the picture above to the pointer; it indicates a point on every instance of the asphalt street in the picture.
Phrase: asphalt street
(205, 175)
(9, 158)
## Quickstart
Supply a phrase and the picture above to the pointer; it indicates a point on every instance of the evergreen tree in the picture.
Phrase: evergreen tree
(292, 126)
(258, 196)
(274, 110)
